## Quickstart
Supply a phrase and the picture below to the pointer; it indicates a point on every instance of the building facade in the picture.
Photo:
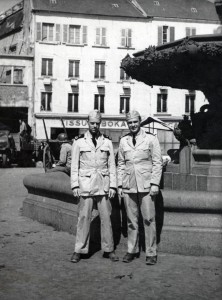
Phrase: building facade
(78, 47)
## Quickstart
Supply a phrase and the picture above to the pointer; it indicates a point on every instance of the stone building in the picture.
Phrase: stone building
(78, 47)
(16, 69)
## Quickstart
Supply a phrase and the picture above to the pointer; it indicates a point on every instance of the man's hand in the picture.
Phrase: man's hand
(154, 190)
(120, 192)
(76, 192)
(112, 193)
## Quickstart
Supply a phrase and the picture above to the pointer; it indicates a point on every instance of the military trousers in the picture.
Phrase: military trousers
(84, 219)
(145, 203)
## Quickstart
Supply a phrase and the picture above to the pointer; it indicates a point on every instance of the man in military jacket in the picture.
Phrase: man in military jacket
(93, 181)
(139, 174)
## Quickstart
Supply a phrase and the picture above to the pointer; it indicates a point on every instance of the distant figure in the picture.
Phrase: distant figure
(64, 163)
(22, 132)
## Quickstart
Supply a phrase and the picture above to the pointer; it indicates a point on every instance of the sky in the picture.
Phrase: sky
(6, 4)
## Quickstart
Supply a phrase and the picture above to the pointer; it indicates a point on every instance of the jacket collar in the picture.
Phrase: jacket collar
(88, 139)
(139, 138)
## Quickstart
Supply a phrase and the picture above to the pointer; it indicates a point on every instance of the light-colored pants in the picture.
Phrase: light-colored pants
(84, 220)
(144, 202)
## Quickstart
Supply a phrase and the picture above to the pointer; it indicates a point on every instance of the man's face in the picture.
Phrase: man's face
(93, 127)
(134, 125)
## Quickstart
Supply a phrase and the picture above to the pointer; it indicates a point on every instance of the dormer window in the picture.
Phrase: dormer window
(156, 3)
(193, 10)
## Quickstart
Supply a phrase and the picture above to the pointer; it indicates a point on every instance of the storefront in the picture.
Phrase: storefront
(113, 126)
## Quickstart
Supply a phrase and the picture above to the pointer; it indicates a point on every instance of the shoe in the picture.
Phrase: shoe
(75, 257)
(128, 257)
(151, 260)
(111, 255)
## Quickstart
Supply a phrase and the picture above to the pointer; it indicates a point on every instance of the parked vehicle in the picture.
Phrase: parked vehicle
(7, 148)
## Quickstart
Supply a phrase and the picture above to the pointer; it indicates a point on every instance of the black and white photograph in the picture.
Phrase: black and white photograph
(110, 149)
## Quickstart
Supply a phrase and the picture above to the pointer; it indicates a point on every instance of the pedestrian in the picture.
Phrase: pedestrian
(64, 163)
(93, 182)
(22, 132)
(139, 173)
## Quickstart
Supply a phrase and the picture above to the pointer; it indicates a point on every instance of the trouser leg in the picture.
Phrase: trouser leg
(147, 207)
(83, 225)
(132, 211)
(104, 208)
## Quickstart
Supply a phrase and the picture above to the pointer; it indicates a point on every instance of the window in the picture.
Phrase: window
(162, 102)
(74, 68)
(100, 36)
(99, 70)
(99, 103)
(157, 3)
(47, 32)
(11, 74)
(190, 103)
(126, 37)
(123, 75)
(193, 10)
(46, 67)
(75, 34)
(73, 102)
(124, 104)
(46, 99)
(190, 31)
(18, 75)
(166, 34)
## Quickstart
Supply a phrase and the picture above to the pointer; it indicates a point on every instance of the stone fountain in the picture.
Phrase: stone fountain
(193, 187)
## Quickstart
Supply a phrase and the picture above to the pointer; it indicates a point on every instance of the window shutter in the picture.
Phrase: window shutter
(49, 98)
(160, 35)
(50, 67)
(39, 31)
(77, 68)
(96, 70)
(84, 34)
(121, 105)
(96, 102)
(187, 102)
(76, 102)
(58, 30)
(71, 68)
(159, 103)
(164, 97)
(43, 95)
(69, 102)
(187, 31)
(102, 110)
(97, 36)
(172, 34)
(127, 104)
(43, 66)
(192, 101)
(102, 75)
(65, 33)
(104, 36)
(123, 37)
(129, 38)
(193, 31)
(121, 74)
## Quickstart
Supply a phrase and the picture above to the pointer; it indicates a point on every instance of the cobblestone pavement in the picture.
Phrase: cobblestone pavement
(34, 262)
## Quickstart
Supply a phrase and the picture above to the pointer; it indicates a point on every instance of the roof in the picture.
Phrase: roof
(183, 9)
(113, 8)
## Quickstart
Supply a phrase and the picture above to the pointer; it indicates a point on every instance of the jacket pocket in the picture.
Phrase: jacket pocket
(106, 184)
(84, 180)
(126, 180)
(146, 176)
(104, 152)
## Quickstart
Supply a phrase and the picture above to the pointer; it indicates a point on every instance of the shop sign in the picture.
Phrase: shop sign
(108, 124)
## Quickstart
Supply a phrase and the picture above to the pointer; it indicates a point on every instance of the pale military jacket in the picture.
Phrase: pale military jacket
(93, 168)
(139, 166)
(65, 155)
